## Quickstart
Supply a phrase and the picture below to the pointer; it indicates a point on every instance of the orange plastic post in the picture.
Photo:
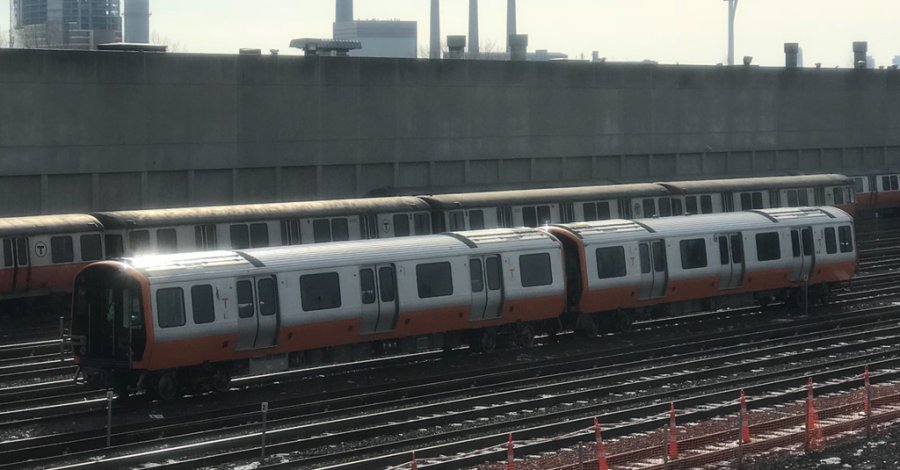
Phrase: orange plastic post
(510, 455)
(415, 466)
(867, 387)
(745, 421)
(673, 433)
(601, 452)
(814, 433)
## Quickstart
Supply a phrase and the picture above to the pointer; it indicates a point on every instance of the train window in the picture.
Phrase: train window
(529, 217)
(792, 198)
(166, 240)
(245, 299)
(845, 234)
(139, 240)
(457, 220)
(737, 248)
(91, 248)
(170, 307)
(202, 304)
(757, 200)
(795, 243)
(114, 246)
(321, 230)
(505, 217)
(422, 223)
(7, 252)
(838, 195)
(401, 225)
(21, 251)
(693, 253)
(205, 237)
(858, 183)
(603, 212)
(259, 235)
(767, 246)
(476, 274)
(894, 185)
(659, 256)
(676, 207)
(803, 197)
(367, 285)
(476, 219)
(746, 203)
(590, 211)
(690, 204)
(492, 266)
(723, 251)
(611, 262)
(340, 229)
(268, 297)
(807, 239)
(240, 236)
(645, 258)
(649, 206)
(535, 270)
(290, 232)
(320, 291)
(386, 284)
(434, 280)
(830, 241)
(543, 213)
(706, 204)
(62, 250)
(665, 207)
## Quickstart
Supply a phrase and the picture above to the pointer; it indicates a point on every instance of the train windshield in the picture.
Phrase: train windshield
(108, 317)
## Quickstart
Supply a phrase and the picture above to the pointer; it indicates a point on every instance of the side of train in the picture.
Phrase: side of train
(170, 323)
(57, 243)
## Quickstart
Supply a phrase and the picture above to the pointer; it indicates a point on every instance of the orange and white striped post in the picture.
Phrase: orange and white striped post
(673, 433)
(510, 455)
(814, 435)
(745, 420)
(415, 466)
(601, 452)
(867, 401)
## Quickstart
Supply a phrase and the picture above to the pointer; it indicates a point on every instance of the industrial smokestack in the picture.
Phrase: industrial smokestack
(343, 11)
(473, 26)
(435, 52)
(510, 22)
(859, 54)
(137, 21)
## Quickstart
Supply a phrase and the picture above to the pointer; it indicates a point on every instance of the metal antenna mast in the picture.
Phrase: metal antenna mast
(732, 9)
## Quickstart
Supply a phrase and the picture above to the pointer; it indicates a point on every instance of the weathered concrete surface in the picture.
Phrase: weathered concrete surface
(109, 130)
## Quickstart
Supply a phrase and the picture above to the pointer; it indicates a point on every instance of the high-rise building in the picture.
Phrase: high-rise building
(66, 24)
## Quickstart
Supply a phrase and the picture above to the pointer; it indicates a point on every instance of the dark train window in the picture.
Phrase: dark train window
(166, 240)
(676, 207)
(830, 241)
(401, 225)
(422, 223)
(457, 220)
(202, 304)
(795, 243)
(543, 213)
(690, 204)
(240, 237)
(807, 239)
(590, 211)
(529, 217)
(838, 195)
(803, 197)
(645, 258)
(603, 210)
(170, 307)
(320, 291)
(7, 252)
(757, 200)
(476, 219)
(139, 240)
(367, 285)
(792, 198)
(890, 183)
(767, 246)
(659, 256)
(746, 202)
(693, 253)
(245, 299)
(492, 266)
(91, 248)
(290, 232)
(386, 284)
(62, 250)
(706, 204)
(205, 237)
(114, 246)
(723, 251)
(340, 229)
(737, 248)
(476, 274)
(259, 235)
(21, 252)
(665, 207)
(845, 234)
(611, 262)
(268, 297)
(535, 270)
(434, 280)
(649, 207)
(321, 230)
(858, 182)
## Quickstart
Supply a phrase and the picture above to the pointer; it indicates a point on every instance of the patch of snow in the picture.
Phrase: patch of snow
(831, 461)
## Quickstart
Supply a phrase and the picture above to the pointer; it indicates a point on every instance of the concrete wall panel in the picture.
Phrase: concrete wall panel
(255, 185)
(118, 191)
(213, 187)
(577, 168)
(297, 183)
(21, 195)
(167, 189)
(512, 171)
(375, 177)
(484, 172)
(337, 180)
(69, 193)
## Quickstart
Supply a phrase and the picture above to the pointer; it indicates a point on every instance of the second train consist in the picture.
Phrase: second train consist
(170, 323)
(41, 254)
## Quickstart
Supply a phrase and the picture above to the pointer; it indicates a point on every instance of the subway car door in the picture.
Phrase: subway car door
(487, 287)
(267, 311)
(16, 260)
(803, 251)
(387, 298)
(654, 275)
(731, 255)
(247, 319)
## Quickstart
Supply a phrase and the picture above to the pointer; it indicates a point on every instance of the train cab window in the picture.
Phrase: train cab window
(259, 235)
(367, 285)
(676, 207)
(245, 299)
(321, 231)
(205, 237)
(767, 246)
(139, 241)
(434, 280)
(830, 241)
(170, 307)
(340, 229)
(240, 236)
(693, 253)
(290, 232)
(535, 270)
(202, 304)
(476, 219)
(386, 284)
(665, 207)
(401, 225)
(422, 224)
(166, 240)
(62, 250)
(320, 291)
(706, 204)
(845, 235)
(115, 248)
(268, 297)
(457, 220)
(649, 207)
(476, 274)
(91, 247)
(611, 262)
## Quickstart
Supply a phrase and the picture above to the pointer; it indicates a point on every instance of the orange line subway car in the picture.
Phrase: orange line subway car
(170, 323)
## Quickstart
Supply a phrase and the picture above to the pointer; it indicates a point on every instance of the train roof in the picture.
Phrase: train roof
(257, 212)
(531, 196)
(760, 183)
(326, 255)
(48, 224)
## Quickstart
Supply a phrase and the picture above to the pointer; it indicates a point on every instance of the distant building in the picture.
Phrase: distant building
(870, 62)
(380, 38)
(64, 24)
(896, 60)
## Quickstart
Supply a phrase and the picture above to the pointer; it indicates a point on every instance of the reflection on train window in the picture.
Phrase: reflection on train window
(859, 185)
(170, 307)
(693, 253)
(476, 219)
(61, 250)
(830, 241)
(845, 234)
(166, 240)
(690, 203)
(422, 223)
(543, 213)
(320, 291)
(259, 235)
(91, 248)
(658, 248)
(139, 241)
(401, 225)
(202, 304)
(706, 204)
(611, 262)
(434, 280)
(535, 270)
(767, 246)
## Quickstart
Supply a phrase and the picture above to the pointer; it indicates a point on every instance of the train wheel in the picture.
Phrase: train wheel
(487, 342)
(525, 336)
(221, 380)
(168, 387)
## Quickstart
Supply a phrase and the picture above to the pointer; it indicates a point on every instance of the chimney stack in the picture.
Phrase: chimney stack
(518, 44)
(790, 54)
(344, 11)
(473, 27)
(137, 21)
(510, 23)
(859, 54)
(435, 52)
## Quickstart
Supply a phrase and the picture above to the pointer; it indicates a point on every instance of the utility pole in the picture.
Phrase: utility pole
(732, 9)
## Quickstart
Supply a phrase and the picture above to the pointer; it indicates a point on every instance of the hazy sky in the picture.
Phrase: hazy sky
(668, 31)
